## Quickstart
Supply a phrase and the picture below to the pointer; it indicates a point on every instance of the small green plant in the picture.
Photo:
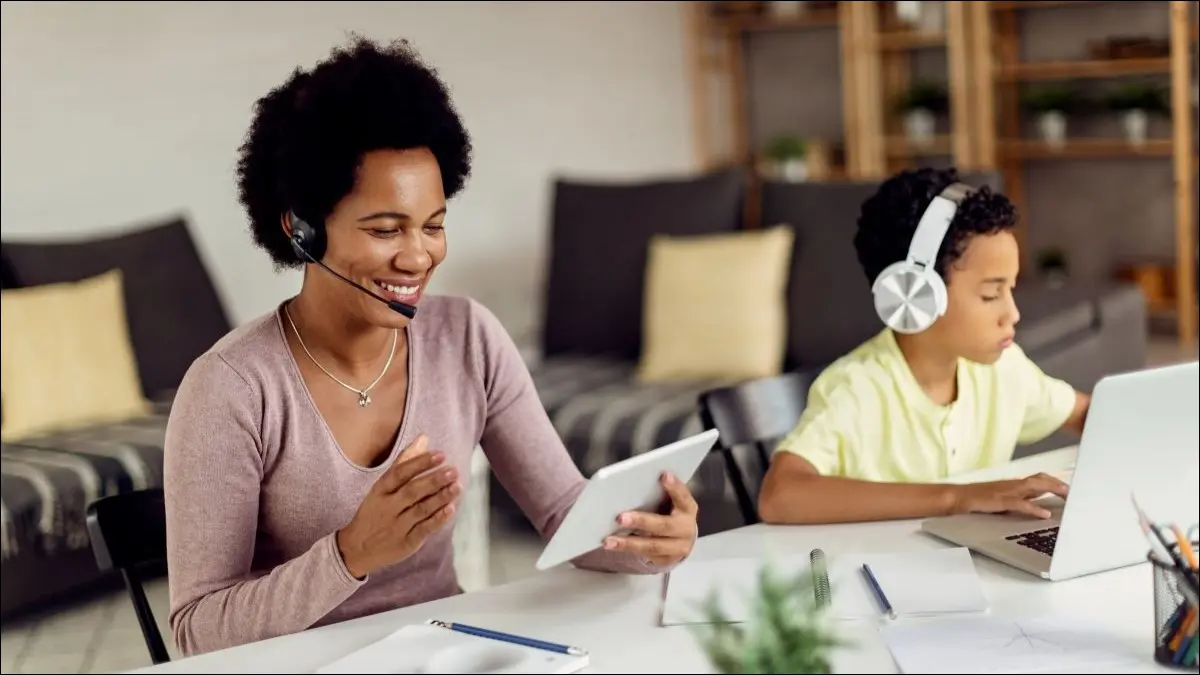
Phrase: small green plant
(1052, 260)
(1146, 97)
(786, 147)
(787, 632)
(924, 96)
(1051, 98)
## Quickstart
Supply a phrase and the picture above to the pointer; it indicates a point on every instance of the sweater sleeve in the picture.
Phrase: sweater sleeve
(212, 471)
(524, 449)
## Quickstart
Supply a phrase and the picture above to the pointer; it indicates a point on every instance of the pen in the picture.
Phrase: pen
(879, 595)
(1173, 553)
(507, 637)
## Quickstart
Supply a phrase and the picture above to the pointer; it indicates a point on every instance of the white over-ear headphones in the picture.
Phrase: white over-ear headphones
(910, 295)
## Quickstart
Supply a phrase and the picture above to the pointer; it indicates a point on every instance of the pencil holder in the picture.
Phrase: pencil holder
(1174, 616)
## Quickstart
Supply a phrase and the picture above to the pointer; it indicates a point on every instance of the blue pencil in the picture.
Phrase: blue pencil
(509, 638)
(878, 590)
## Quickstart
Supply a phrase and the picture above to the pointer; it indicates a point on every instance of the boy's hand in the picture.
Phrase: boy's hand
(1014, 496)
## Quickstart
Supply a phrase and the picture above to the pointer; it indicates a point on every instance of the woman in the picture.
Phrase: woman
(315, 456)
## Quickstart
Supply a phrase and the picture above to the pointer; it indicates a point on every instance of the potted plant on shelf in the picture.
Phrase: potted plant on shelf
(787, 153)
(786, 9)
(920, 106)
(1051, 104)
(787, 631)
(1052, 263)
(923, 16)
(1135, 103)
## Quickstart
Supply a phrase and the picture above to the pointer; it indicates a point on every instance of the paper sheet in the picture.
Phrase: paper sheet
(429, 649)
(991, 644)
(919, 583)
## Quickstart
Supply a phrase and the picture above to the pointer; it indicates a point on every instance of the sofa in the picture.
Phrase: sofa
(593, 317)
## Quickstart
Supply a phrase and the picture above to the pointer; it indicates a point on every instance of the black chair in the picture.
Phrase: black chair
(129, 534)
(756, 413)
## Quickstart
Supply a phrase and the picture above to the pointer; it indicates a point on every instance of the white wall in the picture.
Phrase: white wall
(115, 112)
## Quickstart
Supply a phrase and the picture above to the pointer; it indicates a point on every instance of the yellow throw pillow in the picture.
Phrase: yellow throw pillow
(66, 359)
(716, 306)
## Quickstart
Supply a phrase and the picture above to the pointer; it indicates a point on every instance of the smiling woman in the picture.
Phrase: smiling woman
(315, 457)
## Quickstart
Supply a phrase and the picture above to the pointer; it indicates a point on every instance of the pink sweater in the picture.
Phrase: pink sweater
(256, 488)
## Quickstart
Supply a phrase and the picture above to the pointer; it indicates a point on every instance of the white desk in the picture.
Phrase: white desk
(616, 616)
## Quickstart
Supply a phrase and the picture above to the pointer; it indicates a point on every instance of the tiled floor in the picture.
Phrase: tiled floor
(101, 635)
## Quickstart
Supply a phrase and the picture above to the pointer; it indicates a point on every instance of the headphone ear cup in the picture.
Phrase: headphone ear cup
(909, 298)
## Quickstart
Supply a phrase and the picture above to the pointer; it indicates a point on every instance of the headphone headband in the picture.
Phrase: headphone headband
(931, 230)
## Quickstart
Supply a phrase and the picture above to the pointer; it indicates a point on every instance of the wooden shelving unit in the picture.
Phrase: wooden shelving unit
(997, 25)
(984, 76)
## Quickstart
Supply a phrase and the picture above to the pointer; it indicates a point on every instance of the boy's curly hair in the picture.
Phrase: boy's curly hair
(889, 219)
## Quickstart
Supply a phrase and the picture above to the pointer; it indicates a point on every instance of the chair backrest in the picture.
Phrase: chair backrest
(129, 534)
(756, 414)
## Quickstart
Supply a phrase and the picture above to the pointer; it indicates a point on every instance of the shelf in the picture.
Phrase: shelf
(1066, 70)
(758, 24)
(1030, 4)
(900, 147)
(1085, 148)
(911, 39)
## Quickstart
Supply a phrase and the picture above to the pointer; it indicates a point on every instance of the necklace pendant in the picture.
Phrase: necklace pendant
(364, 399)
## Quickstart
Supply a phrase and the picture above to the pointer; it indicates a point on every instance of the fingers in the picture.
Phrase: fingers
(421, 487)
(430, 506)
(432, 523)
(1041, 483)
(1019, 505)
(650, 547)
(417, 447)
(681, 496)
(403, 471)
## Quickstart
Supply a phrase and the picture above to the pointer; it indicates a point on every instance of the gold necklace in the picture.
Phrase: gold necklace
(364, 395)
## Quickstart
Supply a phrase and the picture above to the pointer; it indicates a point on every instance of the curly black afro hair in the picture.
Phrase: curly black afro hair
(309, 135)
(889, 219)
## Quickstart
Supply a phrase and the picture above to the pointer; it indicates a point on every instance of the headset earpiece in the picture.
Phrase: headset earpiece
(910, 296)
(308, 242)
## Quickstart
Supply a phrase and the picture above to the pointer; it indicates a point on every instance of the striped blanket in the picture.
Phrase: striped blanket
(602, 413)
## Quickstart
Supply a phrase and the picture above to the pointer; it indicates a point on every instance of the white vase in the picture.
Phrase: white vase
(932, 17)
(793, 170)
(909, 11)
(786, 9)
(1135, 122)
(1053, 127)
(920, 126)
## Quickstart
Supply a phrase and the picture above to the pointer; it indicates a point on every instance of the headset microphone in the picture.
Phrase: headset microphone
(309, 247)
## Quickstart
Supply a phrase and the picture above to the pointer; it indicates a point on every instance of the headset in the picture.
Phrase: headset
(309, 244)
(910, 295)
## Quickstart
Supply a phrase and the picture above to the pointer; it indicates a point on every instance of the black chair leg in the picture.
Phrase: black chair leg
(145, 617)
(745, 503)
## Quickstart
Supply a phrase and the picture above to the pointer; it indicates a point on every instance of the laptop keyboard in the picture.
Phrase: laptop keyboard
(1042, 541)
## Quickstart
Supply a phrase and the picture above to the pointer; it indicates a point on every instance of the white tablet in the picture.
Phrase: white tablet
(629, 485)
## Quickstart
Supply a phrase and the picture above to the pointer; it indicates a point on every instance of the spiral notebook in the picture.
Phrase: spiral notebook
(920, 583)
(427, 648)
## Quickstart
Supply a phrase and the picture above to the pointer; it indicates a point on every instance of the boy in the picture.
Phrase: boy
(902, 410)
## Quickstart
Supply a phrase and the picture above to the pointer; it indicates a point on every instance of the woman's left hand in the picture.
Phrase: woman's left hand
(662, 539)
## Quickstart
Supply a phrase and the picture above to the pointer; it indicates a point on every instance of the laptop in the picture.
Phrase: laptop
(1141, 438)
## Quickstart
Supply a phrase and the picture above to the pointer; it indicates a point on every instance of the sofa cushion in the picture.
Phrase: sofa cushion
(829, 297)
(173, 308)
(598, 250)
(715, 306)
(67, 358)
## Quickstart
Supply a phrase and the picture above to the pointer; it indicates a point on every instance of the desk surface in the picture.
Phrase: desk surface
(616, 616)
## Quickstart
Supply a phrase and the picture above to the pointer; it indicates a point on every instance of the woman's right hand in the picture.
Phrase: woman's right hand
(409, 502)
